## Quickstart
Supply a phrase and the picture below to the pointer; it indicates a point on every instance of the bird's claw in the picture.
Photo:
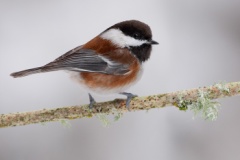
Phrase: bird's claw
(130, 96)
(92, 101)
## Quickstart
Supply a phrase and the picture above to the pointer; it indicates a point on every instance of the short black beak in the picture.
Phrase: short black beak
(152, 42)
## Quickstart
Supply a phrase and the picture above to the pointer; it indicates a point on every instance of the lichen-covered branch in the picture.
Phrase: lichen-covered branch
(198, 99)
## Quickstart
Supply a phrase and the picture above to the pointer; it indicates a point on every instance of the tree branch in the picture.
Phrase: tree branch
(181, 99)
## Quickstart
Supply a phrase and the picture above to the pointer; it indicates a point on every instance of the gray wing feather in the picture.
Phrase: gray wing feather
(86, 60)
(80, 60)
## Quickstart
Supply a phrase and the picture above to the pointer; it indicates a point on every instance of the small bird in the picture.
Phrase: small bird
(109, 63)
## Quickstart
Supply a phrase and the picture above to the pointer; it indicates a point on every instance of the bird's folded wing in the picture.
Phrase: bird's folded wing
(86, 60)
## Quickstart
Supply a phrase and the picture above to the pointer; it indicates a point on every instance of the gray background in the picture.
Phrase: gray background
(199, 45)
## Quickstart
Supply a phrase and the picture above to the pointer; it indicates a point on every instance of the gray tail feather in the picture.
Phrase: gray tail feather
(31, 71)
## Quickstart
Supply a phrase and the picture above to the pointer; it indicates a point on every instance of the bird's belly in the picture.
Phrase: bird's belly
(104, 83)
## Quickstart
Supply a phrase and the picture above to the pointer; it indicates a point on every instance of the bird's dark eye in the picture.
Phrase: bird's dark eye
(136, 35)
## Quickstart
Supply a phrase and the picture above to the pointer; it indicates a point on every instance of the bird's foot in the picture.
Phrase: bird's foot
(92, 101)
(130, 96)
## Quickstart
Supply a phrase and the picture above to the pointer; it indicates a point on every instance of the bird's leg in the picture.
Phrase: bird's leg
(129, 98)
(92, 101)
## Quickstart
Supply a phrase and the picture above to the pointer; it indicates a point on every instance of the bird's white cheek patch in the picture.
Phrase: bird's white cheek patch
(118, 38)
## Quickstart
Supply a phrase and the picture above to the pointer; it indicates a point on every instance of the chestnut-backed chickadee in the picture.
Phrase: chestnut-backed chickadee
(109, 63)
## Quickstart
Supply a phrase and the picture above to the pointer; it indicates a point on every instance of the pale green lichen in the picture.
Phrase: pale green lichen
(103, 118)
(117, 117)
(205, 107)
(65, 123)
(107, 119)
(117, 114)
(43, 123)
(222, 87)
(182, 103)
